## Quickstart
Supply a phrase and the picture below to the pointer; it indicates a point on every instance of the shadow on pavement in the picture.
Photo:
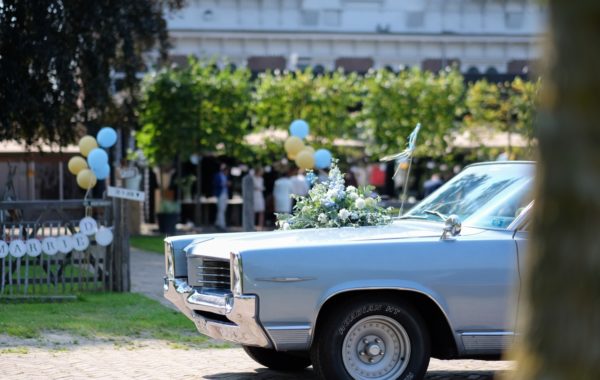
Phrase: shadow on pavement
(264, 373)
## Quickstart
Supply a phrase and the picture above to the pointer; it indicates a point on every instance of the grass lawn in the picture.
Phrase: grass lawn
(148, 243)
(100, 315)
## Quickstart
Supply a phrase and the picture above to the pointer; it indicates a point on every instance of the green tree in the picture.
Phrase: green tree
(395, 103)
(196, 109)
(56, 59)
(561, 311)
(505, 107)
(324, 101)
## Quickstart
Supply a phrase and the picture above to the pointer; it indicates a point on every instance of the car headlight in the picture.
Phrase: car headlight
(236, 274)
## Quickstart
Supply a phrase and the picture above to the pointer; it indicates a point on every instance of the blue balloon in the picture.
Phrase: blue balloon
(102, 172)
(299, 128)
(106, 137)
(97, 158)
(322, 159)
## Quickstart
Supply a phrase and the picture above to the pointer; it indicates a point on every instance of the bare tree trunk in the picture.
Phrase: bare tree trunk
(561, 331)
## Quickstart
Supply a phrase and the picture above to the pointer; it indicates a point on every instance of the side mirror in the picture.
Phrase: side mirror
(452, 227)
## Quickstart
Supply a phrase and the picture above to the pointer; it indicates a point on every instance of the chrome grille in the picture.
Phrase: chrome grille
(213, 274)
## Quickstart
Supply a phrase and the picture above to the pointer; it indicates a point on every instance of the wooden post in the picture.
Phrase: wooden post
(121, 281)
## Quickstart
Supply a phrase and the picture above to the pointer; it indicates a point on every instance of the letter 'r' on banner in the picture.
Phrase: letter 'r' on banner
(34, 247)
(50, 246)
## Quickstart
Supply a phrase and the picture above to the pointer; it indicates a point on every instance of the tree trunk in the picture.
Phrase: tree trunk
(561, 313)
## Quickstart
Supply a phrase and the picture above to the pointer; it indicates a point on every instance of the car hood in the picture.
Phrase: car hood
(221, 245)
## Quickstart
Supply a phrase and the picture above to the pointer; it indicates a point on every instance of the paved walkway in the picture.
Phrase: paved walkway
(149, 359)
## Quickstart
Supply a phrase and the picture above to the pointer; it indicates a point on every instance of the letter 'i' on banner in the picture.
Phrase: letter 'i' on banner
(65, 244)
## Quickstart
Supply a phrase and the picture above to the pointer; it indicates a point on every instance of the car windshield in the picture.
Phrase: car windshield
(486, 196)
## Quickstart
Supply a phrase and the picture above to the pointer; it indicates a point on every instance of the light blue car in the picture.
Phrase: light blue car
(368, 302)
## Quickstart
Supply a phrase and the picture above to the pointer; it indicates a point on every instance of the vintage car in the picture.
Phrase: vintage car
(368, 302)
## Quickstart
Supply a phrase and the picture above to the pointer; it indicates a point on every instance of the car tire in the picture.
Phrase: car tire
(278, 360)
(371, 338)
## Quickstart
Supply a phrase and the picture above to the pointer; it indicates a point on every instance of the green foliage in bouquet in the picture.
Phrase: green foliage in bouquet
(331, 204)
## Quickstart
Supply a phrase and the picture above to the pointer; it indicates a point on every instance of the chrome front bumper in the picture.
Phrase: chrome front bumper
(244, 327)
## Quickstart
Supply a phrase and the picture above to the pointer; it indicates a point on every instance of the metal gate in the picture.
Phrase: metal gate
(61, 272)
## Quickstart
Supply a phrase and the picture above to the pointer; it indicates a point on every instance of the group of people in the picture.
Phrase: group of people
(255, 205)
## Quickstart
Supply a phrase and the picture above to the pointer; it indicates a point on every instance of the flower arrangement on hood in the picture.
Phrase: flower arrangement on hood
(331, 204)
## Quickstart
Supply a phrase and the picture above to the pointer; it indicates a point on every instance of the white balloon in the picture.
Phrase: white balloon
(80, 242)
(65, 244)
(104, 236)
(3, 249)
(17, 248)
(88, 226)
(50, 246)
(34, 247)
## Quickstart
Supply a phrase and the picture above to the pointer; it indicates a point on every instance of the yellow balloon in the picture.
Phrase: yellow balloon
(77, 164)
(310, 149)
(305, 160)
(86, 179)
(86, 144)
(291, 156)
(293, 145)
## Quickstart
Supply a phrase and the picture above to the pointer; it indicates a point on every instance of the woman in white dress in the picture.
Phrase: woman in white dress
(259, 198)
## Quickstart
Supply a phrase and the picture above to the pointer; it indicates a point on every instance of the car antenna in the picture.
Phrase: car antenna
(408, 155)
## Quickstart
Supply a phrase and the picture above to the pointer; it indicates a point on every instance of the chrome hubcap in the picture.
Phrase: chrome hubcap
(376, 347)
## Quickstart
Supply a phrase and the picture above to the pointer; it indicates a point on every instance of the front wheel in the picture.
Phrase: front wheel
(373, 338)
(278, 360)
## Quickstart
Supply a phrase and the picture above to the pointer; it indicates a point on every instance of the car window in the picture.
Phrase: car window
(486, 196)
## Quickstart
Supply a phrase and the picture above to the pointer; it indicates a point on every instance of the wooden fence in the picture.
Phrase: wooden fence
(45, 254)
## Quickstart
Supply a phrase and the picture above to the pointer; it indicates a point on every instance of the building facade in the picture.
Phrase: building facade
(493, 37)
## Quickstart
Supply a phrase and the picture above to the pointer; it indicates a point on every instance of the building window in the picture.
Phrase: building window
(513, 20)
(309, 18)
(518, 67)
(264, 63)
(415, 19)
(473, 71)
(435, 65)
(331, 17)
(491, 71)
(358, 65)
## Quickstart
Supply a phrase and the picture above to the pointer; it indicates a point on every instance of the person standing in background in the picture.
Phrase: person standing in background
(282, 190)
(220, 184)
(259, 197)
(248, 202)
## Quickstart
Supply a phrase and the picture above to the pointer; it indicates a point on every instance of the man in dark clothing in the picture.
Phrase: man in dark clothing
(432, 184)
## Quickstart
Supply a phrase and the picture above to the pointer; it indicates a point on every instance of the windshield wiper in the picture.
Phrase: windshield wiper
(411, 217)
(436, 213)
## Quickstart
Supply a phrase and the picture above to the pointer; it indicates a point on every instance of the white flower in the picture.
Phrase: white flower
(332, 194)
(286, 226)
(343, 214)
(370, 202)
(360, 203)
(353, 196)
(351, 189)
(322, 218)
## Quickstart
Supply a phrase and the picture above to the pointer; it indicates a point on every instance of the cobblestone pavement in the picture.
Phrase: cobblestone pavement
(155, 360)
(145, 359)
